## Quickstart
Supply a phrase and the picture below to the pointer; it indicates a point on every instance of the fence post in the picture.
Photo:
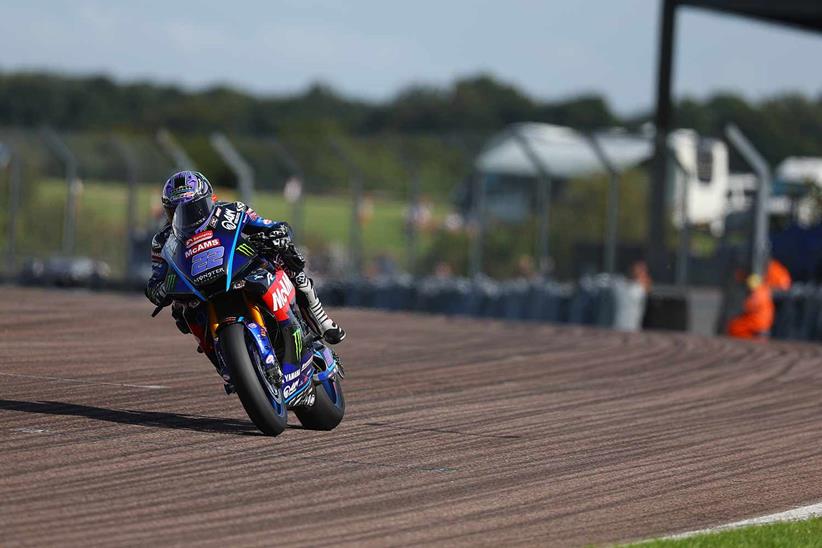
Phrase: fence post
(175, 151)
(241, 168)
(478, 224)
(543, 199)
(355, 237)
(298, 206)
(66, 156)
(126, 152)
(684, 248)
(11, 160)
(759, 239)
(412, 231)
(612, 221)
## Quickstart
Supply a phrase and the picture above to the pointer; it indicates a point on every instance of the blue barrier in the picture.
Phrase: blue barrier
(594, 301)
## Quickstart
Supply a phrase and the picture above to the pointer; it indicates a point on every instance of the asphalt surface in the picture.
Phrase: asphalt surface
(113, 431)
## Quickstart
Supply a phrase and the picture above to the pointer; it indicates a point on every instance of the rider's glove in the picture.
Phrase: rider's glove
(158, 294)
(293, 260)
(276, 239)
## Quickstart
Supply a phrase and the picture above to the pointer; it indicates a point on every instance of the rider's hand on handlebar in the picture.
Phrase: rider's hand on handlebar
(276, 239)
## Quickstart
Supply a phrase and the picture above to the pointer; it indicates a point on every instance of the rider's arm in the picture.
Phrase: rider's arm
(277, 235)
(155, 288)
(257, 224)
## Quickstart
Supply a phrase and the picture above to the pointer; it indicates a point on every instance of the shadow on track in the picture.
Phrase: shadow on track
(175, 421)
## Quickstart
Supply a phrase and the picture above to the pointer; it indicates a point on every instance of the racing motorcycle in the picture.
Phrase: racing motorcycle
(263, 347)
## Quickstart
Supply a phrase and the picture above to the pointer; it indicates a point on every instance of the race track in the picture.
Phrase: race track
(115, 432)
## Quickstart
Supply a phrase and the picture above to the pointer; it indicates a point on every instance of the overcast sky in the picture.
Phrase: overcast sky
(372, 48)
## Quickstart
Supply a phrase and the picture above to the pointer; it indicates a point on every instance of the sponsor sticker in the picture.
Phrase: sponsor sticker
(281, 292)
(209, 275)
(199, 237)
(290, 389)
(182, 193)
(229, 220)
(202, 246)
(246, 250)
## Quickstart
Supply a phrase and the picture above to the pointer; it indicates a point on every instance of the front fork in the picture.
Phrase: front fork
(292, 369)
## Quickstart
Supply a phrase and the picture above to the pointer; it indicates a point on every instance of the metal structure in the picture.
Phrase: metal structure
(803, 14)
(414, 204)
(759, 242)
(478, 224)
(69, 161)
(174, 150)
(612, 220)
(543, 200)
(126, 152)
(355, 246)
(11, 161)
(235, 161)
(684, 248)
(295, 170)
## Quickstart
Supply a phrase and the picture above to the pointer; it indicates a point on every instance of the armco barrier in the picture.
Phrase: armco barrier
(798, 313)
(666, 310)
(596, 300)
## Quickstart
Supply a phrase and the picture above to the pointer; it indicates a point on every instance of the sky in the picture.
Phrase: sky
(373, 48)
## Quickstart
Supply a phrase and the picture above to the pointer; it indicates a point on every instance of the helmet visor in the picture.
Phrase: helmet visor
(190, 216)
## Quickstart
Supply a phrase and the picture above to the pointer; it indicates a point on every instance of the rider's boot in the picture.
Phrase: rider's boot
(315, 313)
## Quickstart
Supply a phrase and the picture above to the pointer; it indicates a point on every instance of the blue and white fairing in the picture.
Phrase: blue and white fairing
(215, 251)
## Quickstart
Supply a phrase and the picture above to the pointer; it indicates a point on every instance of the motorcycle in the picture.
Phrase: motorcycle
(264, 349)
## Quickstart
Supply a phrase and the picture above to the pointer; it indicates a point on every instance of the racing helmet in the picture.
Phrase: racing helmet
(187, 200)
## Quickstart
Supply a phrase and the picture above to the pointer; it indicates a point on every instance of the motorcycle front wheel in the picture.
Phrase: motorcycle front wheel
(262, 401)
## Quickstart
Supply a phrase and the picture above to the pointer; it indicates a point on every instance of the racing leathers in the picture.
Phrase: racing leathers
(273, 236)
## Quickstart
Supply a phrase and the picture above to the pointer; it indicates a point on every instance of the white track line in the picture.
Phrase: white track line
(78, 381)
(803, 512)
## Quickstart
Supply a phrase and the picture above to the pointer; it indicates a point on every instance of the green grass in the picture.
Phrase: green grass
(102, 214)
(794, 534)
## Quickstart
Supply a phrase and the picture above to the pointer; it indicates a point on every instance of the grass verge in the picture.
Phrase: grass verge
(794, 534)
(102, 213)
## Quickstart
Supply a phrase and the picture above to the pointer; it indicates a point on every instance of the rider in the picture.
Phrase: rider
(190, 195)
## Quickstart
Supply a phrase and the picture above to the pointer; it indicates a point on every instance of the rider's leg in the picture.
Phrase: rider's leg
(314, 312)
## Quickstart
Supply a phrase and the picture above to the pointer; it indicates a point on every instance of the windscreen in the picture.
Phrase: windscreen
(191, 215)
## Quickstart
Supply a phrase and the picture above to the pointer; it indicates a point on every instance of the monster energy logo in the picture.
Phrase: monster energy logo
(245, 249)
(298, 341)
(171, 280)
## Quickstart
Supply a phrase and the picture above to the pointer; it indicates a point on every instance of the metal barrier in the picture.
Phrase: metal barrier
(798, 313)
(600, 300)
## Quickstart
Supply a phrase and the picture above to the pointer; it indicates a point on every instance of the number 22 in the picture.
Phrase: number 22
(207, 260)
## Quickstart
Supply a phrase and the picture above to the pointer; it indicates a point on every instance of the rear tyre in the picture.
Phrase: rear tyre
(328, 409)
(262, 402)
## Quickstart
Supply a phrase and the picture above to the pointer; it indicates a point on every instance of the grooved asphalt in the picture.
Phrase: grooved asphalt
(458, 431)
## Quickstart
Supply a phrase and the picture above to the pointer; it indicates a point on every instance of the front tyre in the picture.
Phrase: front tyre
(328, 409)
(262, 402)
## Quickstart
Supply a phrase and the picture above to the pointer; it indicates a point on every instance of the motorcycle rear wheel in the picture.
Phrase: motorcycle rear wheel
(328, 409)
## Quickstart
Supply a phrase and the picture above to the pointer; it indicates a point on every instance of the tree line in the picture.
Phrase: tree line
(783, 125)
